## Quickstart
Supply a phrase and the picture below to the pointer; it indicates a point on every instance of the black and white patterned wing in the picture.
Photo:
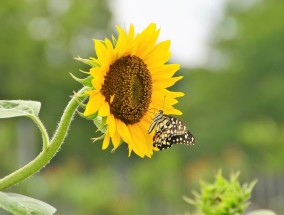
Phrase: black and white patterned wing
(171, 131)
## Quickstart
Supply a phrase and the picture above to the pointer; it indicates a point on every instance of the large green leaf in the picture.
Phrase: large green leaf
(16, 108)
(23, 205)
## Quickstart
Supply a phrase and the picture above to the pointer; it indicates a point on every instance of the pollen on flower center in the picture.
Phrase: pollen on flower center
(129, 83)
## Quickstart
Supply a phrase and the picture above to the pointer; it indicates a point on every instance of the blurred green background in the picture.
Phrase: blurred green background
(234, 106)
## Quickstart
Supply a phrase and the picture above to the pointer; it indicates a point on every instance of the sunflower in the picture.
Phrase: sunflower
(129, 78)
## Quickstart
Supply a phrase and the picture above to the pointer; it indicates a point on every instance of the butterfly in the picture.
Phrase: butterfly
(169, 131)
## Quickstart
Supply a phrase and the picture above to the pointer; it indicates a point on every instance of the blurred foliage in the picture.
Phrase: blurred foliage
(234, 106)
(39, 40)
(223, 196)
(237, 102)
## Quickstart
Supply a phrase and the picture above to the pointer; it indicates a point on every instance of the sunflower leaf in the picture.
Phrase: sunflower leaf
(21, 205)
(16, 108)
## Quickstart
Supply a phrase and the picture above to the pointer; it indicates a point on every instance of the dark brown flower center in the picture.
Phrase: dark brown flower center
(128, 89)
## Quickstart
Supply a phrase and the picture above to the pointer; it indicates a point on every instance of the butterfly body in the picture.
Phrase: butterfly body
(169, 131)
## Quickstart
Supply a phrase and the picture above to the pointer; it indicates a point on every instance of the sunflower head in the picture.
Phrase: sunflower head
(127, 84)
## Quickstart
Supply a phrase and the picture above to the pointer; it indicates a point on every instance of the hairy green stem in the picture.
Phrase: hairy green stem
(44, 134)
(49, 150)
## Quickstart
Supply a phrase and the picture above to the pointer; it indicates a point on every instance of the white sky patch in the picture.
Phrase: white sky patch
(187, 23)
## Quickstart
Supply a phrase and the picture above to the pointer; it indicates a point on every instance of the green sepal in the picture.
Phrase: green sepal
(88, 73)
(91, 62)
(81, 114)
(94, 63)
(114, 40)
(81, 104)
(100, 122)
(80, 98)
(95, 139)
(90, 117)
(103, 42)
(85, 81)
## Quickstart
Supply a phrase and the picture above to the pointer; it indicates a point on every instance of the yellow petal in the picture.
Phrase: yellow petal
(129, 46)
(112, 55)
(123, 131)
(111, 124)
(109, 45)
(94, 71)
(174, 94)
(146, 138)
(165, 71)
(101, 50)
(138, 143)
(146, 41)
(159, 50)
(164, 83)
(130, 36)
(129, 151)
(165, 95)
(161, 99)
(147, 120)
(95, 102)
(106, 140)
(104, 109)
(174, 111)
(115, 139)
(97, 82)
(122, 42)
(133, 145)
(157, 60)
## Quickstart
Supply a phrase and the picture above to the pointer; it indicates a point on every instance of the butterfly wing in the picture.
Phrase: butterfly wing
(171, 131)
(160, 140)
(185, 138)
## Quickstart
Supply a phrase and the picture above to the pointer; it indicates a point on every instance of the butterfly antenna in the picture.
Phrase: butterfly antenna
(154, 109)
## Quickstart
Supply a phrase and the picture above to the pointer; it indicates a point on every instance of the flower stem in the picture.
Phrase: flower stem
(44, 134)
(49, 150)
